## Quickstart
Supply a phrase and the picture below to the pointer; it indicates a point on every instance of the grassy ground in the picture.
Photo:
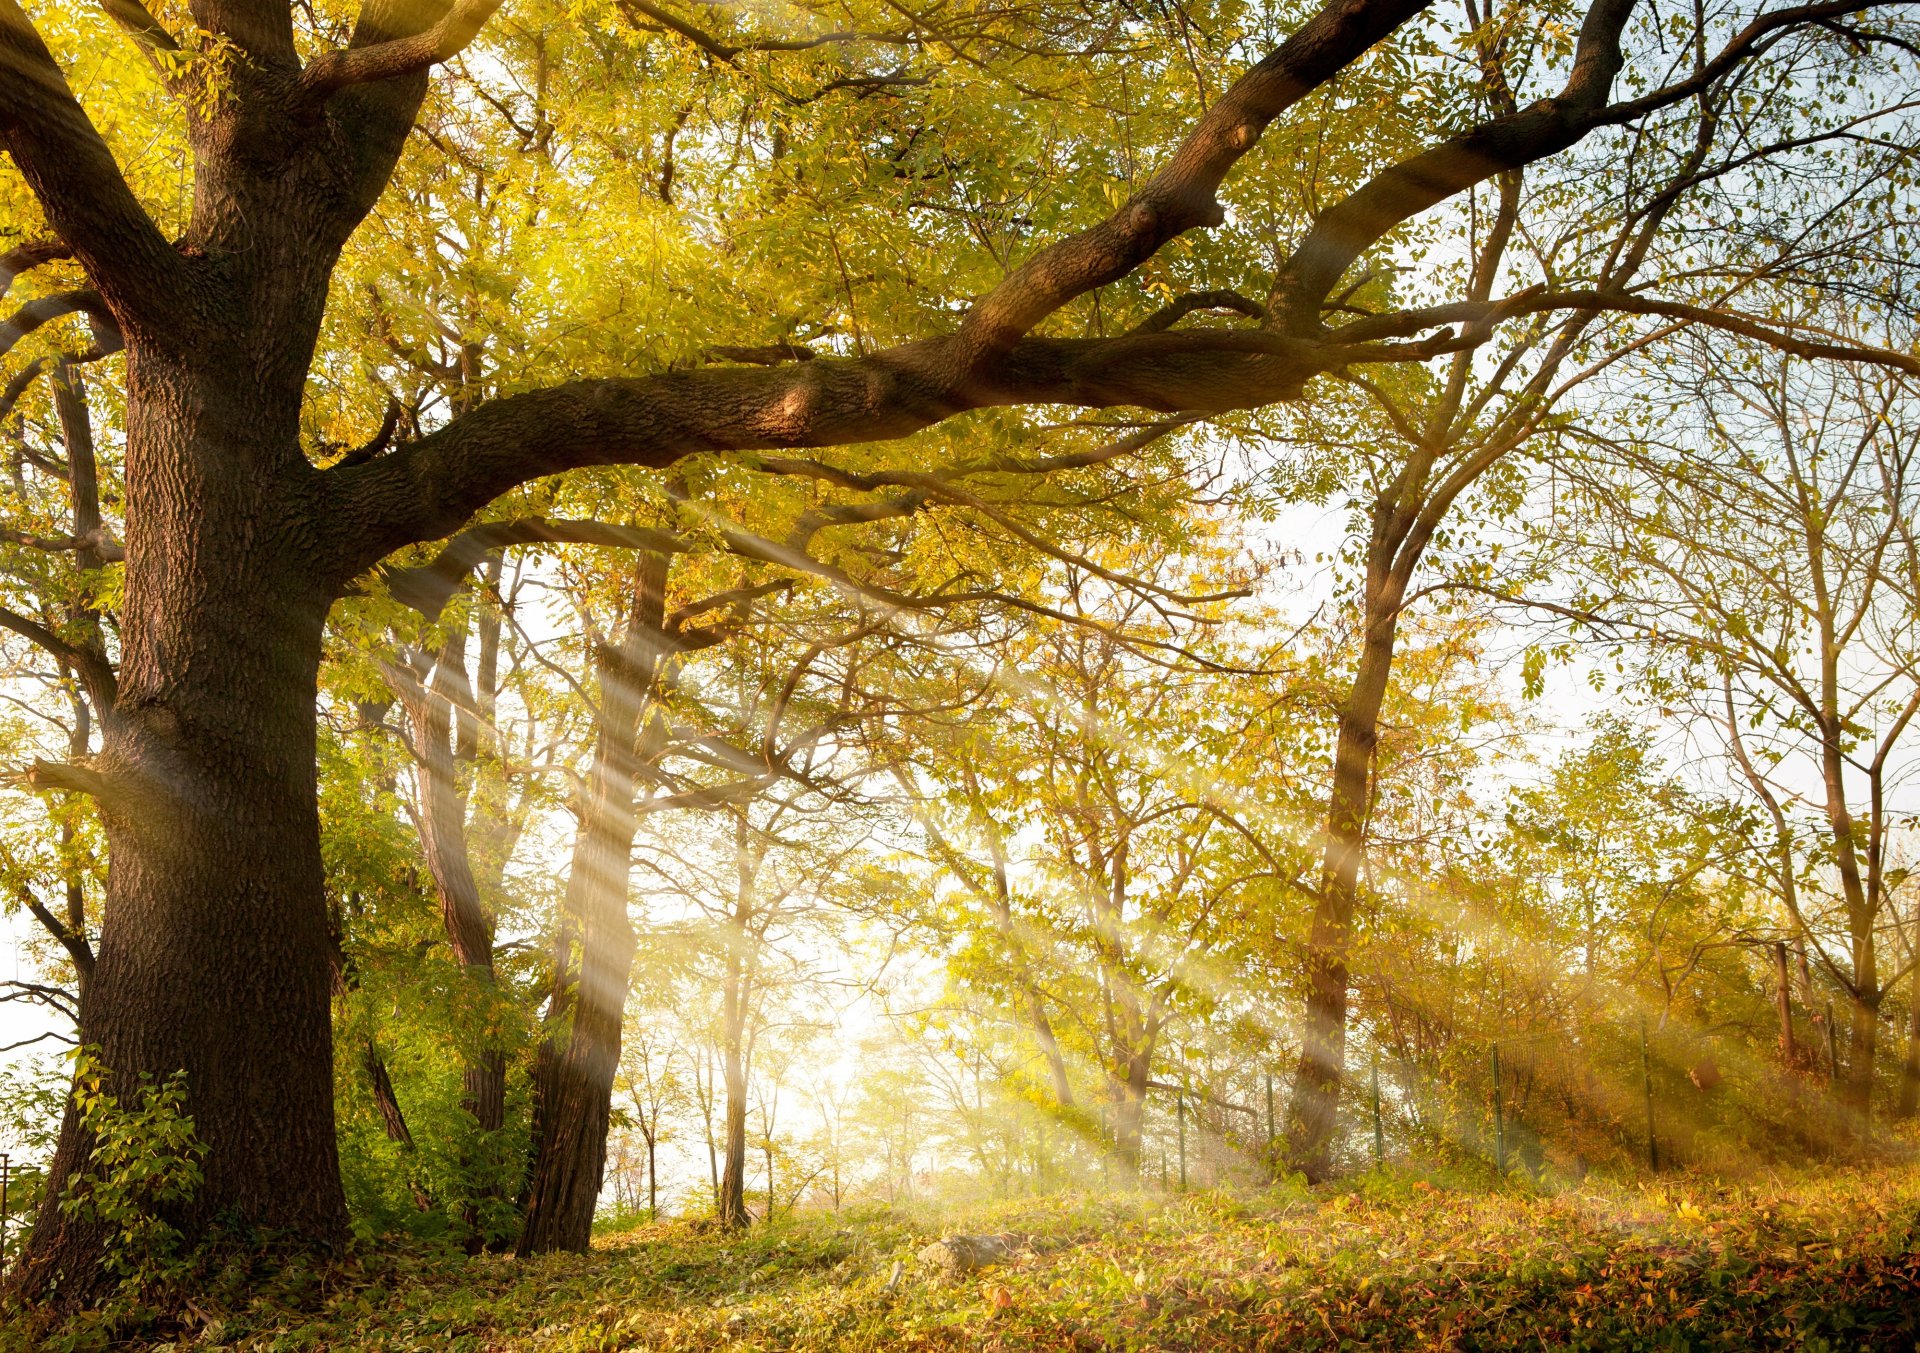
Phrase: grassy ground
(1809, 1261)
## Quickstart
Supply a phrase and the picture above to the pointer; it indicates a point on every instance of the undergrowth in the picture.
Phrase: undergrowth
(1396, 1260)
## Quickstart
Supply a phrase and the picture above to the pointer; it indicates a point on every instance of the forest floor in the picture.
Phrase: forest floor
(1812, 1260)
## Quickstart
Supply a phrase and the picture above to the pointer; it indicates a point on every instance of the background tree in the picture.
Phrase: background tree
(244, 521)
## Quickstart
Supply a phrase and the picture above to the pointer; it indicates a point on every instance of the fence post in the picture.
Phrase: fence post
(1379, 1137)
(1270, 1160)
(1180, 1112)
(1646, 1083)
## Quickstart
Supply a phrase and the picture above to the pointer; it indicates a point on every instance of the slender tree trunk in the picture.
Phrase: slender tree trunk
(1783, 1005)
(431, 699)
(1908, 1100)
(1129, 1110)
(384, 1099)
(1315, 1101)
(1863, 1053)
(653, 1179)
(576, 1084)
(731, 1204)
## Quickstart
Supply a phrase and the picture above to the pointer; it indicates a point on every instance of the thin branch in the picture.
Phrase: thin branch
(37, 313)
(1219, 302)
(381, 440)
(96, 673)
(25, 257)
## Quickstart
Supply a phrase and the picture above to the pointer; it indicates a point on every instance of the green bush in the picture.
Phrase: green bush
(145, 1160)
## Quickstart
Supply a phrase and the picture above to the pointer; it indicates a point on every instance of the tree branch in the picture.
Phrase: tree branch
(106, 341)
(1180, 195)
(1481, 315)
(389, 423)
(73, 175)
(65, 777)
(34, 314)
(333, 71)
(430, 487)
(729, 52)
(95, 672)
(76, 945)
(1346, 230)
(1342, 233)
(139, 21)
(25, 257)
(1172, 313)
(98, 542)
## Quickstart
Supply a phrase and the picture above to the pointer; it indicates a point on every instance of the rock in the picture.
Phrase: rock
(963, 1254)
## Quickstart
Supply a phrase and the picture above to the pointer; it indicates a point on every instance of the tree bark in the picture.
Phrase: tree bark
(653, 1178)
(576, 1083)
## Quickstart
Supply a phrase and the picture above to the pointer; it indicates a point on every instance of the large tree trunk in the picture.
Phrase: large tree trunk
(576, 1085)
(1315, 1101)
(214, 945)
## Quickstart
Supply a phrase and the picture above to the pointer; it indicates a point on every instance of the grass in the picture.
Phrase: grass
(1811, 1261)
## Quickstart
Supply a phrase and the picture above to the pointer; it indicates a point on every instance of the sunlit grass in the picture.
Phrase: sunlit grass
(1400, 1259)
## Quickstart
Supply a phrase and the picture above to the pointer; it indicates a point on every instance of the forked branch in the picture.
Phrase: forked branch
(333, 71)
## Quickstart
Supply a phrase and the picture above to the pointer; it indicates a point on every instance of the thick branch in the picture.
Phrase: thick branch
(73, 174)
(1180, 195)
(68, 778)
(1346, 230)
(139, 21)
(75, 943)
(332, 71)
(431, 487)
